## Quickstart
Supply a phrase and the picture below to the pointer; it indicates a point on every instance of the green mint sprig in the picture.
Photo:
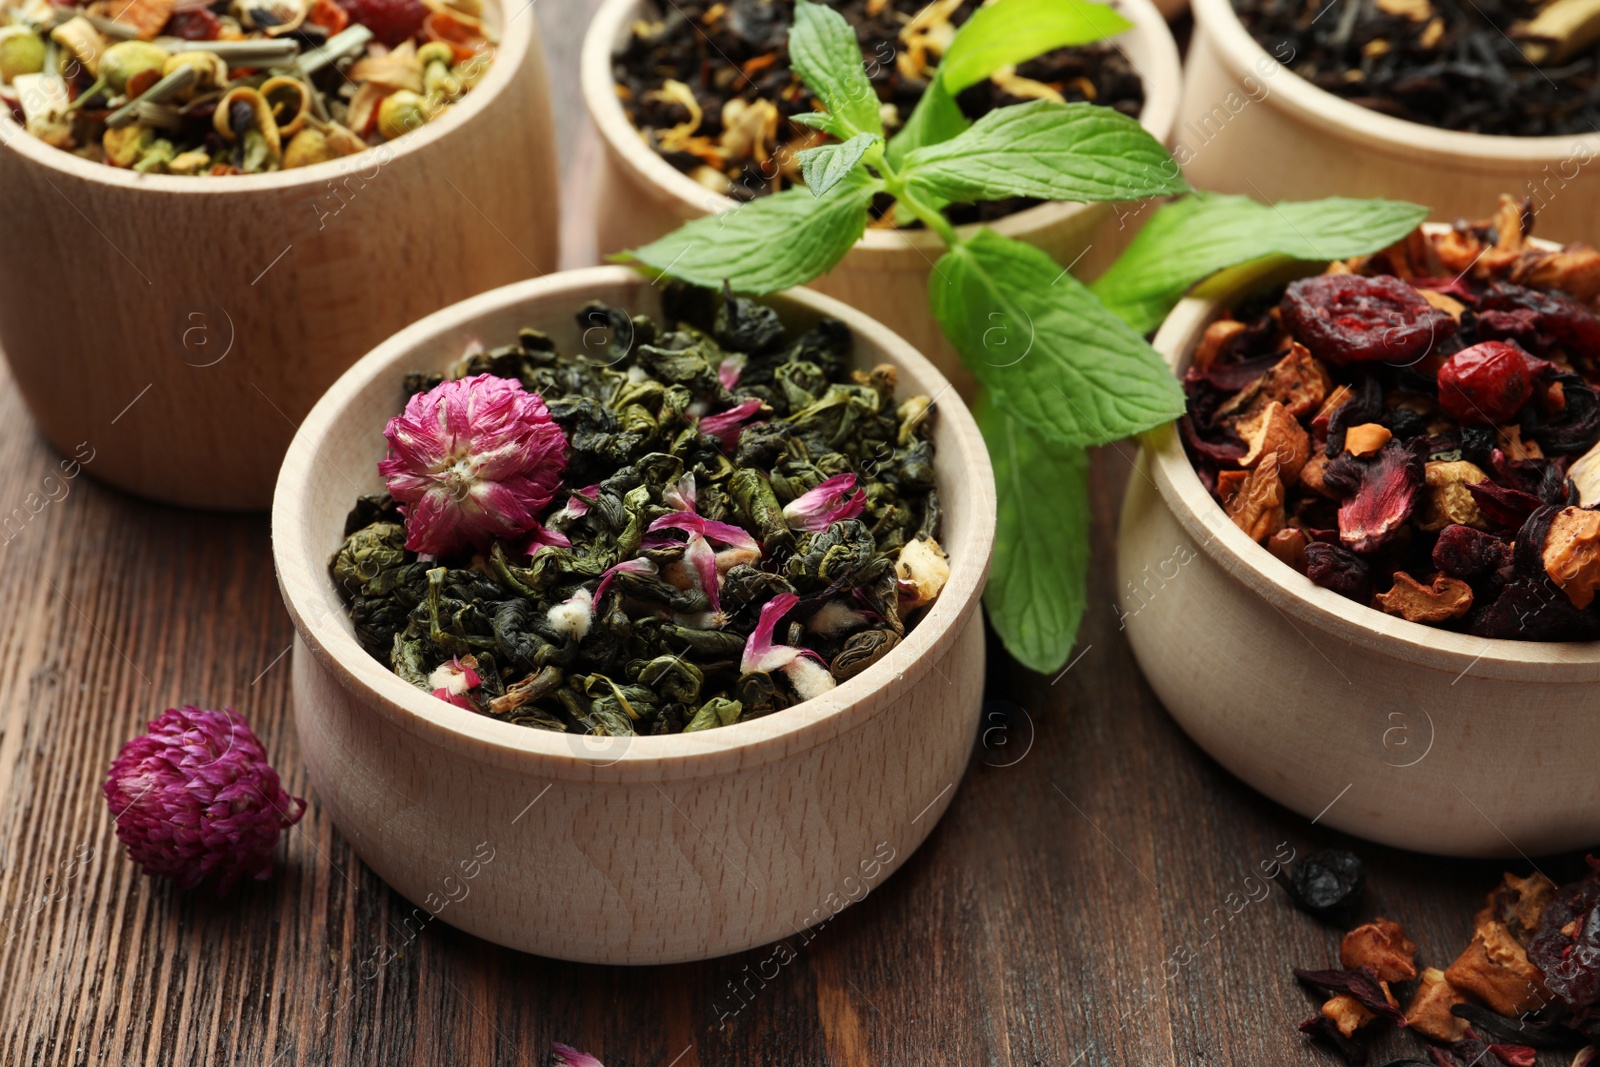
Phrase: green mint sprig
(1063, 366)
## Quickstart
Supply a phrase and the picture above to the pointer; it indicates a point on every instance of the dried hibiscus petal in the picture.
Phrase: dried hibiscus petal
(1359, 983)
(1503, 507)
(1576, 427)
(1345, 318)
(1563, 319)
(1379, 494)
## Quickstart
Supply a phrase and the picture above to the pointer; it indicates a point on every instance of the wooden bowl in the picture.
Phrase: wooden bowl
(640, 849)
(1401, 733)
(182, 327)
(886, 273)
(1249, 125)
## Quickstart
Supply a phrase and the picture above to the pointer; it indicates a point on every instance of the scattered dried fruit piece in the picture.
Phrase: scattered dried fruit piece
(1289, 545)
(1275, 432)
(1345, 318)
(1254, 499)
(1495, 971)
(1429, 1012)
(1365, 440)
(1382, 946)
(1571, 554)
(1214, 340)
(1448, 500)
(1445, 599)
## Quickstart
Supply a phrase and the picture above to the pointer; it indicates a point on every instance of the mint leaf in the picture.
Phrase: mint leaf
(816, 120)
(827, 165)
(824, 51)
(769, 244)
(1048, 151)
(1013, 31)
(936, 118)
(1188, 241)
(1038, 580)
(1049, 354)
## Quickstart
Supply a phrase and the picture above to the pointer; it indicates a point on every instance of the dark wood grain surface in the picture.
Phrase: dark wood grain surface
(1080, 903)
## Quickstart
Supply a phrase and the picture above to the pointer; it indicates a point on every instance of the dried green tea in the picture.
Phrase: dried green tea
(687, 525)
(709, 85)
(236, 86)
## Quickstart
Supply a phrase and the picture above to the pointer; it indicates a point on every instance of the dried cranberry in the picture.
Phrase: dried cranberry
(1345, 318)
(1337, 568)
(391, 21)
(1462, 552)
(1485, 385)
(200, 25)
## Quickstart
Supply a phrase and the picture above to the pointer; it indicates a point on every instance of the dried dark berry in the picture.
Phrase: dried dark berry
(1477, 442)
(1405, 423)
(1566, 948)
(1345, 318)
(1485, 385)
(1533, 609)
(1328, 884)
(1462, 552)
(1339, 569)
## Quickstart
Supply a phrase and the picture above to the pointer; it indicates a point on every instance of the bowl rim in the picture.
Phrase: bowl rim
(516, 44)
(1244, 56)
(1294, 595)
(322, 625)
(1163, 90)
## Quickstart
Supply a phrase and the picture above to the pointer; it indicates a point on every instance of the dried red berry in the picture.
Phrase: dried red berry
(1345, 318)
(391, 21)
(1339, 569)
(1462, 552)
(199, 25)
(1485, 385)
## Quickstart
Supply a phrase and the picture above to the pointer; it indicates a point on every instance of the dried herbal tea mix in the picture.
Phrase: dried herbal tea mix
(715, 521)
(1517, 68)
(1528, 979)
(709, 85)
(1417, 429)
(234, 86)
(1063, 366)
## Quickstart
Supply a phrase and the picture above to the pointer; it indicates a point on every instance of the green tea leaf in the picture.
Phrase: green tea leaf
(769, 244)
(936, 118)
(1048, 151)
(1038, 580)
(1049, 354)
(1188, 241)
(1014, 31)
(827, 165)
(824, 51)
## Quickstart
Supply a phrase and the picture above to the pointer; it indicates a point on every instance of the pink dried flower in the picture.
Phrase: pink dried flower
(632, 566)
(195, 797)
(452, 681)
(567, 1056)
(542, 536)
(827, 504)
(471, 461)
(577, 505)
(804, 668)
(708, 566)
(726, 426)
(731, 367)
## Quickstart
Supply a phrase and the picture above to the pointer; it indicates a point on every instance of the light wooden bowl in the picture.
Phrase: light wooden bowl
(182, 327)
(624, 850)
(886, 274)
(1401, 733)
(1249, 125)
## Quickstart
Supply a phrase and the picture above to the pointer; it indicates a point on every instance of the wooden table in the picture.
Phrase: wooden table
(1073, 907)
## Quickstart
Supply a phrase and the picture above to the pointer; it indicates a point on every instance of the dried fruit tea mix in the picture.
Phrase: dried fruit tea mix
(1417, 429)
(707, 521)
(234, 86)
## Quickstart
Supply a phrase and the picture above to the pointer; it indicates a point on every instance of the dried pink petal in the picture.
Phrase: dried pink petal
(542, 536)
(804, 668)
(194, 796)
(691, 523)
(471, 461)
(452, 681)
(632, 566)
(827, 504)
(729, 370)
(726, 426)
(567, 1056)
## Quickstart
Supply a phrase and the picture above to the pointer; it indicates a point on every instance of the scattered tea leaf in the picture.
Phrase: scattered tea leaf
(1190, 240)
(1038, 580)
(1040, 342)
(1049, 151)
